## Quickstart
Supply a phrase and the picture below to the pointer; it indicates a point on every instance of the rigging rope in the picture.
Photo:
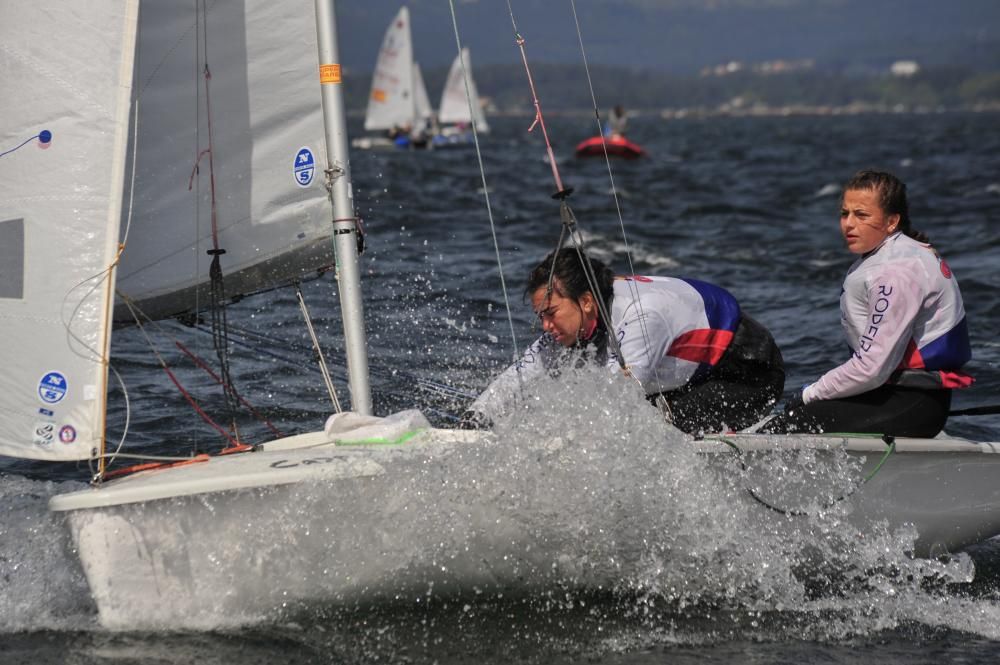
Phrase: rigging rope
(888, 439)
(319, 351)
(561, 192)
(482, 173)
(569, 219)
(633, 287)
(139, 316)
(217, 292)
(176, 381)
(431, 386)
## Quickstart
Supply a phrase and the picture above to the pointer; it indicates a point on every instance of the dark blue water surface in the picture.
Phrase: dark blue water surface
(748, 203)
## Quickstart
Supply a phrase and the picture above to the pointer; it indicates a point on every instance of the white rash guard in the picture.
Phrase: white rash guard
(900, 309)
(668, 329)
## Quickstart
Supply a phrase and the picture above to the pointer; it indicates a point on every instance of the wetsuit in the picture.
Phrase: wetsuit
(681, 338)
(903, 316)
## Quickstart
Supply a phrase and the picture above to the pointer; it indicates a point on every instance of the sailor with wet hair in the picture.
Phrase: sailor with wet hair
(687, 342)
(902, 313)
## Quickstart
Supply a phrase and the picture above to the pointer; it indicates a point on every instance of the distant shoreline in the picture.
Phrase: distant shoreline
(753, 111)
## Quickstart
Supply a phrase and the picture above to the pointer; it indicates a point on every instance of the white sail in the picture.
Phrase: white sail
(66, 72)
(391, 102)
(115, 136)
(454, 107)
(422, 110)
(265, 133)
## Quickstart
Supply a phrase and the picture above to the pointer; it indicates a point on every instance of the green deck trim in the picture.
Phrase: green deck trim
(379, 441)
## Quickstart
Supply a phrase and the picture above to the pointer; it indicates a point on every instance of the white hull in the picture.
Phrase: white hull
(238, 539)
(945, 487)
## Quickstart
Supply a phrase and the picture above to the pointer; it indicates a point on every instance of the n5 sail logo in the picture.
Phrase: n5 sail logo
(52, 388)
(305, 167)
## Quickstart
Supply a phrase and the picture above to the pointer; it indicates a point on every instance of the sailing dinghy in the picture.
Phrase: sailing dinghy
(398, 104)
(454, 113)
(179, 545)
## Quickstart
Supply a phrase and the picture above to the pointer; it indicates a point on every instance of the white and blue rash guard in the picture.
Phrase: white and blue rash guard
(900, 309)
(670, 331)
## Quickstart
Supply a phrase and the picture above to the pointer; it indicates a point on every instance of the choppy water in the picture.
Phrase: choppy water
(750, 204)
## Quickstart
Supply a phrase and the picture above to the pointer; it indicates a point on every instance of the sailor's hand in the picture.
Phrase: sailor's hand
(795, 402)
(474, 420)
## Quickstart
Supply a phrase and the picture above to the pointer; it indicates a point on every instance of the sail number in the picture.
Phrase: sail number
(288, 464)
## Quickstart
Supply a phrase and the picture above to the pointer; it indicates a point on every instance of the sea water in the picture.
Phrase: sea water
(695, 574)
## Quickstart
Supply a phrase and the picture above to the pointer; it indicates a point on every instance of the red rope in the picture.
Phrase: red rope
(135, 468)
(201, 363)
(198, 409)
(539, 120)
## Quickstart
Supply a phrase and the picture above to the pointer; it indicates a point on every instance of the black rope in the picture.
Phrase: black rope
(220, 334)
(890, 443)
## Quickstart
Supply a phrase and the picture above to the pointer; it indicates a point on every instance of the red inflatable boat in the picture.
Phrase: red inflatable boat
(618, 146)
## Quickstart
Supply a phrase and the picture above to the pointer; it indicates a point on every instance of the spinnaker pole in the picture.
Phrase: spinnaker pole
(345, 221)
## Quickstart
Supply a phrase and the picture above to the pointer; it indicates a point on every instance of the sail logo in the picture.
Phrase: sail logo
(52, 388)
(305, 167)
(43, 434)
(67, 434)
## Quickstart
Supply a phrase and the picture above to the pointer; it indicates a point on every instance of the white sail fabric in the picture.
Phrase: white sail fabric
(422, 110)
(391, 102)
(66, 72)
(265, 130)
(138, 143)
(454, 107)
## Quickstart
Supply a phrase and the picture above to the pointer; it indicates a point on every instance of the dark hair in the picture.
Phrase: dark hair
(891, 197)
(570, 276)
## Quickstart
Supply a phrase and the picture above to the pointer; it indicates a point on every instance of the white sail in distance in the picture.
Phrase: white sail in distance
(422, 110)
(391, 100)
(454, 107)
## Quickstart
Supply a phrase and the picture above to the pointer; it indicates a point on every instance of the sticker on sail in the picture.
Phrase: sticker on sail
(52, 388)
(67, 434)
(46, 412)
(44, 434)
(305, 167)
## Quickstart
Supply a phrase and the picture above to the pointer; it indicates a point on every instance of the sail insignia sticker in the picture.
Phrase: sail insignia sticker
(305, 167)
(67, 434)
(44, 433)
(52, 388)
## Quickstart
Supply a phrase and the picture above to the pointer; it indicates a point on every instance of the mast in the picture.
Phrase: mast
(345, 223)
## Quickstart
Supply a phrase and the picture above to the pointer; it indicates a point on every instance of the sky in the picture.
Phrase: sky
(683, 36)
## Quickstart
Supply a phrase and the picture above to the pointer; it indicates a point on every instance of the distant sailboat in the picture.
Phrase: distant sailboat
(398, 104)
(454, 113)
